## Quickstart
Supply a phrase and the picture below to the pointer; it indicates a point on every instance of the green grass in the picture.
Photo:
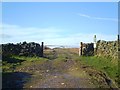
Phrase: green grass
(29, 58)
(9, 64)
(107, 65)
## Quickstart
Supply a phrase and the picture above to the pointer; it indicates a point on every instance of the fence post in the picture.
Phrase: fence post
(79, 50)
(42, 49)
(118, 38)
(118, 41)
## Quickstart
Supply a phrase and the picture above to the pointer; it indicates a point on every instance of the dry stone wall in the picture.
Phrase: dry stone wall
(103, 48)
(22, 49)
(107, 49)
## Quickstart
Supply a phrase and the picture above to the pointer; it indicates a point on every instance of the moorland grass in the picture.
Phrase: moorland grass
(10, 63)
(107, 65)
(34, 58)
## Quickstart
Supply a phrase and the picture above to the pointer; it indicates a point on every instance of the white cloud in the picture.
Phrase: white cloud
(84, 15)
(15, 30)
(17, 33)
(50, 35)
(97, 18)
(75, 39)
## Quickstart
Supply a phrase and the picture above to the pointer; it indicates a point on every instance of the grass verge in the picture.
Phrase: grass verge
(9, 64)
(107, 65)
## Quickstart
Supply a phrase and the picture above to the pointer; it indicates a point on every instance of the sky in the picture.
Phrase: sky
(60, 0)
(60, 23)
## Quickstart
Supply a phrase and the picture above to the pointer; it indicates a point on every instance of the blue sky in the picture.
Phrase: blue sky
(59, 23)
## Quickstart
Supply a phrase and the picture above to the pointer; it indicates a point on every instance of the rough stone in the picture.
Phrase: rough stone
(107, 49)
(103, 48)
(23, 49)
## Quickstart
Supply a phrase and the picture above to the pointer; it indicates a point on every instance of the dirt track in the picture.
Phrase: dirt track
(60, 71)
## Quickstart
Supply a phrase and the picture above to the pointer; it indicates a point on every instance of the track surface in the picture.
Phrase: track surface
(60, 71)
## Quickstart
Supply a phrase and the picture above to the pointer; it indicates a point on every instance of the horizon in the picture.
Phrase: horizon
(57, 46)
(59, 23)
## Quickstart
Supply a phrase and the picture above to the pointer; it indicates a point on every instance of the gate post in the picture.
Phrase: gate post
(80, 49)
(118, 41)
(42, 49)
(118, 38)
(95, 44)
